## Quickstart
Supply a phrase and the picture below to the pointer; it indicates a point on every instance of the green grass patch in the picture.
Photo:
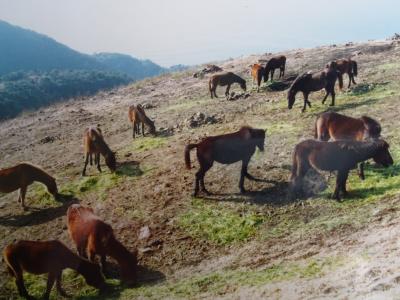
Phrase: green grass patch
(219, 282)
(218, 225)
(148, 143)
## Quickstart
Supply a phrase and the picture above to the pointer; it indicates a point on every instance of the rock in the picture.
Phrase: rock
(395, 37)
(148, 105)
(47, 139)
(144, 233)
(206, 70)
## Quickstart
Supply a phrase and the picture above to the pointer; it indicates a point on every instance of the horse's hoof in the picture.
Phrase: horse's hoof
(243, 191)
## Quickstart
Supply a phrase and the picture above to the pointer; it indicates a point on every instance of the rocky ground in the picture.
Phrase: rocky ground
(259, 245)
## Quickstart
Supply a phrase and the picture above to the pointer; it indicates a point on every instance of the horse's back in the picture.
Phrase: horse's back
(14, 177)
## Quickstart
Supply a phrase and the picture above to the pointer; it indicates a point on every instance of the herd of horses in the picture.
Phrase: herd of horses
(340, 144)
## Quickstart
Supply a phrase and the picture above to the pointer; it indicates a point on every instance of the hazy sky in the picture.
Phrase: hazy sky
(195, 31)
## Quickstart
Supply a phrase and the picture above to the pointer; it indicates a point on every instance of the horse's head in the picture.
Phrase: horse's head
(92, 274)
(243, 85)
(332, 65)
(152, 127)
(129, 269)
(111, 162)
(382, 155)
(372, 129)
(52, 187)
(258, 135)
(291, 96)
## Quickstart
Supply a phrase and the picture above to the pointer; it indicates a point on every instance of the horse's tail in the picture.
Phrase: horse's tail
(188, 148)
(340, 77)
(354, 68)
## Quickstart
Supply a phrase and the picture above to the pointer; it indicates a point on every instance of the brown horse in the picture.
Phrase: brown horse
(257, 73)
(278, 62)
(311, 82)
(223, 80)
(136, 116)
(94, 237)
(341, 156)
(226, 149)
(51, 257)
(349, 67)
(93, 143)
(23, 175)
(331, 125)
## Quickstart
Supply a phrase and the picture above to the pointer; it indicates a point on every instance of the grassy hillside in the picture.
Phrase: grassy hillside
(259, 245)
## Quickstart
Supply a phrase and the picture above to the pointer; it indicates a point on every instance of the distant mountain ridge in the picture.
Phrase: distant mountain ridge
(26, 50)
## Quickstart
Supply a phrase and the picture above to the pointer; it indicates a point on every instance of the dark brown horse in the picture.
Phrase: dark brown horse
(23, 175)
(331, 125)
(92, 237)
(311, 82)
(341, 156)
(51, 257)
(93, 143)
(136, 116)
(278, 62)
(223, 80)
(226, 149)
(257, 73)
(349, 67)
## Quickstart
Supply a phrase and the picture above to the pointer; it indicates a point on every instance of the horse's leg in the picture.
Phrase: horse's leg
(227, 91)
(98, 162)
(349, 80)
(352, 78)
(19, 281)
(272, 74)
(246, 173)
(326, 96)
(215, 92)
(86, 163)
(133, 130)
(341, 177)
(333, 94)
(258, 84)
(243, 173)
(205, 168)
(22, 193)
(360, 171)
(103, 263)
(143, 128)
(59, 287)
(50, 282)
(344, 180)
(306, 102)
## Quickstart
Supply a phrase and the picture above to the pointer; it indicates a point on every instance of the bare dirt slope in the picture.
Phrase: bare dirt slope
(258, 245)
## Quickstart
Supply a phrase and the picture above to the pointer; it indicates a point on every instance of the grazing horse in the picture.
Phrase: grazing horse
(257, 73)
(278, 62)
(94, 237)
(225, 79)
(226, 149)
(23, 175)
(136, 116)
(93, 143)
(341, 156)
(311, 82)
(331, 125)
(51, 257)
(349, 67)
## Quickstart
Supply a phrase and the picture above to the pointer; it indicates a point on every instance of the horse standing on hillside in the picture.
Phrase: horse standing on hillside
(223, 80)
(136, 116)
(51, 257)
(257, 73)
(311, 82)
(92, 237)
(93, 143)
(341, 156)
(278, 62)
(23, 175)
(349, 67)
(226, 149)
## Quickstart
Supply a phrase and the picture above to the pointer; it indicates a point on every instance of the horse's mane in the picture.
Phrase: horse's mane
(301, 77)
(356, 146)
(37, 168)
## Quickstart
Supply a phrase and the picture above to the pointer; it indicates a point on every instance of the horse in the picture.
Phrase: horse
(23, 175)
(331, 125)
(311, 82)
(93, 143)
(257, 73)
(349, 67)
(341, 156)
(51, 257)
(223, 80)
(226, 149)
(92, 237)
(278, 62)
(136, 116)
